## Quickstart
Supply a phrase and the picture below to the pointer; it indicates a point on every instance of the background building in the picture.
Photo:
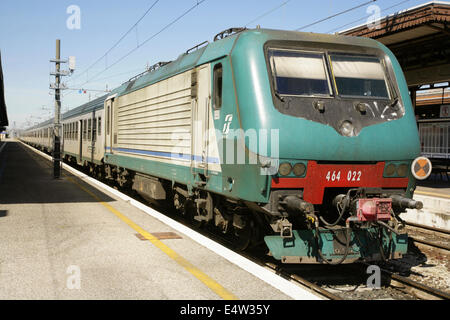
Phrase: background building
(420, 39)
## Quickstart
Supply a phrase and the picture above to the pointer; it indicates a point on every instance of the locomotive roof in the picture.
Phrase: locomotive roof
(220, 48)
(213, 51)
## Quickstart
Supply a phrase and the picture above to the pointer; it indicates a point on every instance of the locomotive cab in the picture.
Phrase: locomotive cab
(347, 138)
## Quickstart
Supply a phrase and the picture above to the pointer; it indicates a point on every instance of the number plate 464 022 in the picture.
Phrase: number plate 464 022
(348, 175)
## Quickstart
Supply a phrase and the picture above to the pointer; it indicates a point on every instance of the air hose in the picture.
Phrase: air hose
(342, 204)
(347, 246)
(383, 255)
(341, 214)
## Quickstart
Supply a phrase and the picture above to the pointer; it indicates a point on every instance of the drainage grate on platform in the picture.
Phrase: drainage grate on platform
(160, 236)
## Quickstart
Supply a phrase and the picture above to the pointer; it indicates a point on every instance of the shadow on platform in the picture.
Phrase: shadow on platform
(434, 181)
(26, 177)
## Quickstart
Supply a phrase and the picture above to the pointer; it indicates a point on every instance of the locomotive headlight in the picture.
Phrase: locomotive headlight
(299, 169)
(389, 170)
(402, 170)
(347, 128)
(285, 169)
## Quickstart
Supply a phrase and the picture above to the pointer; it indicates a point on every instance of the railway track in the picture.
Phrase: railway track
(420, 290)
(394, 286)
(430, 237)
(326, 281)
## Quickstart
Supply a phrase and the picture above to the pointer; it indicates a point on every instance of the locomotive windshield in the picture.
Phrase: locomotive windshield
(331, 84)
(302, 73)
(299, 73)
(359, 76)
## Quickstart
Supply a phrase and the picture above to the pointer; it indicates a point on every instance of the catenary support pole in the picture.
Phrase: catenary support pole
(57, 123)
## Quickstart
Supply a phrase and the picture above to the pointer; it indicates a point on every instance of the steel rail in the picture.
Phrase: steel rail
(421, 226)
(414, 284)
(302, 281)
(431, 244)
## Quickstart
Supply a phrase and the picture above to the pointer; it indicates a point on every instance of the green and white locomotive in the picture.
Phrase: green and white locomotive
(304, 141)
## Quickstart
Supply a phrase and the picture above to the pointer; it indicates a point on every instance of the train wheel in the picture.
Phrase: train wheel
(243, 235)
(203, 209)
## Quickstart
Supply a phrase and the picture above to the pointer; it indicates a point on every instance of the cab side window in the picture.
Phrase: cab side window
(218, 84)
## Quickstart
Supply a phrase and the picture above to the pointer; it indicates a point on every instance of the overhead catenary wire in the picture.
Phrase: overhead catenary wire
(268, 12)
(145, 41)
(140, 45)
(334, 15)
(368, 16)
(118, 41)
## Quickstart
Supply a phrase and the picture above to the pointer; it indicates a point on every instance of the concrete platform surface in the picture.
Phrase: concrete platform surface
(435, 195)
(64, 239)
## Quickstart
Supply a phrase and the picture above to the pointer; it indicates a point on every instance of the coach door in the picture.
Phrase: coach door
(92, 135)
(200, 119)
(80, 139)
(108, 125)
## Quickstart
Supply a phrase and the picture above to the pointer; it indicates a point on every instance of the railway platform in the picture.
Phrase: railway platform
(67, 239)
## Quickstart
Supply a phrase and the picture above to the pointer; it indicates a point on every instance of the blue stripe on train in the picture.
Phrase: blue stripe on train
(170, 155)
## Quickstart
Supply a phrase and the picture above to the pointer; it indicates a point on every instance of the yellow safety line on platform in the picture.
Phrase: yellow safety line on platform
(440, 195)
(209, 282)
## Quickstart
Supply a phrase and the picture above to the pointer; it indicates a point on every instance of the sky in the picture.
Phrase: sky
(89, 29)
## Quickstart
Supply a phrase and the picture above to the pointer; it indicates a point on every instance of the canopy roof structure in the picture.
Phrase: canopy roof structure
(3, 115)
(420, 39)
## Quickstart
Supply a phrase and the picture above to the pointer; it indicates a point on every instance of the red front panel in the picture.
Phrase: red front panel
(321, 176)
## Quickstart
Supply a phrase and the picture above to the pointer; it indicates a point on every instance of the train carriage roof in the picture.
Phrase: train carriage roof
(96, 104)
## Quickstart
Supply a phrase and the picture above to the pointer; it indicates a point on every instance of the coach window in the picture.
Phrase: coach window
(99, 125)
(89, 129)
(218, 83)
(84, 129)
(107, 120)
(94, 130)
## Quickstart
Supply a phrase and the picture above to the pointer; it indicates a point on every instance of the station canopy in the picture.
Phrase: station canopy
(3, 115)
(420, 39)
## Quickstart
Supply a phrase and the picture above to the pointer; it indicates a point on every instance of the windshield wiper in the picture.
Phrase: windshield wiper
(279, 96)
(393, 104)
